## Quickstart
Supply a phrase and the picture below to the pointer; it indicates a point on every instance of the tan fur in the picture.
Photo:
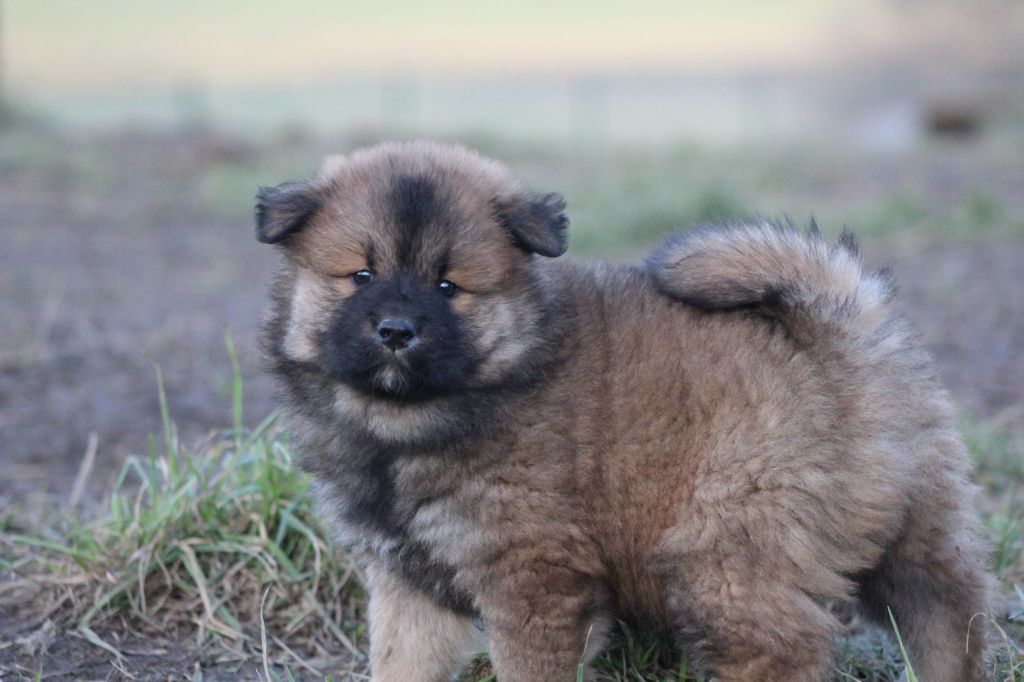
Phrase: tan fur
(414, 639)
(720, 472)
(310, 295)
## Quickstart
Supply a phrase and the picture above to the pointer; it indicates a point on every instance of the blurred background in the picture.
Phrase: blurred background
(133, 136)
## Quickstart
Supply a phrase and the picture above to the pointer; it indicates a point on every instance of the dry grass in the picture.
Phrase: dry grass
(218, 545)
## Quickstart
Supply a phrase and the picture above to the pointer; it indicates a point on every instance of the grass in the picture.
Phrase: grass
(219, 544)
(907, 667)
(1000, 469)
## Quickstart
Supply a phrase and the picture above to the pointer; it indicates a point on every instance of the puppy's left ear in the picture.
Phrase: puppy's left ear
(284, 210)
(537, 222)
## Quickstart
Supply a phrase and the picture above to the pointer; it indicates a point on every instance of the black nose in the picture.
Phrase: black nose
(396, 334)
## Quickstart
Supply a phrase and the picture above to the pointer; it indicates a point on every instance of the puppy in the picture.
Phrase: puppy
(521, 449)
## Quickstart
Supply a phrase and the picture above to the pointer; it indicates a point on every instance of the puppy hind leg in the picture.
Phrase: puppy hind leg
(936, 587)
(738, 626)
(544, 622)
(562, 652)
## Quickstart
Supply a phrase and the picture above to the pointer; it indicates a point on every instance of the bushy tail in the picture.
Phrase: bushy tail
(781, 271)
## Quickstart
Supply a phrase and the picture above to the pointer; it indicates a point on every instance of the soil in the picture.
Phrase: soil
(102, 285)
(105, 281)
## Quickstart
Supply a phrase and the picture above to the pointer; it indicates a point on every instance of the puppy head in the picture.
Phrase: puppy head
(410, 270)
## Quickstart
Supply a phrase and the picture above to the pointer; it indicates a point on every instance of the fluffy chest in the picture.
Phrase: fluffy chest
(372, 511)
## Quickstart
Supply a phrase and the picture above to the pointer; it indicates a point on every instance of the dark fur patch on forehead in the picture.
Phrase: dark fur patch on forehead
(418, 202)
(414, 200)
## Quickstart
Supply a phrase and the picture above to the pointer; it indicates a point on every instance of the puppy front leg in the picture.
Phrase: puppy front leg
(412, 638)
(544, 624)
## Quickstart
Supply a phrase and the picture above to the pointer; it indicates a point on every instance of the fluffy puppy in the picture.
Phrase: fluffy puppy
(522, 449)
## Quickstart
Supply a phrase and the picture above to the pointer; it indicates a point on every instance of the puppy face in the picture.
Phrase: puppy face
(410, 271)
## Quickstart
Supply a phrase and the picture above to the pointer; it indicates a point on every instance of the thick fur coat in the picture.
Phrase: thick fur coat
(521, 448)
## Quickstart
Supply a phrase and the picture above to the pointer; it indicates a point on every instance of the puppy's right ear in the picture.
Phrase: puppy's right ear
(284, 210)
(536, 222)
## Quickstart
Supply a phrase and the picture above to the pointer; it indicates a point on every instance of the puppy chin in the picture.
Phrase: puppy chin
(391, 381)
(392, 421)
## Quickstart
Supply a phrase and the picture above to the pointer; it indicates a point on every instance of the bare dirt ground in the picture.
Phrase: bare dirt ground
(104, 283)
(108, 274)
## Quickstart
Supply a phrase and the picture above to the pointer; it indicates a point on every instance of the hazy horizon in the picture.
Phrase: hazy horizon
(648, 70)
(114, 44)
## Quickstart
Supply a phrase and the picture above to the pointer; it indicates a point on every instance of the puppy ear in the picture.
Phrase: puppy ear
(284, 210)
(536, 222)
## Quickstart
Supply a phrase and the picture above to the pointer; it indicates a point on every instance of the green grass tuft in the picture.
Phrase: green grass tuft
(190, 541)
(908, 668)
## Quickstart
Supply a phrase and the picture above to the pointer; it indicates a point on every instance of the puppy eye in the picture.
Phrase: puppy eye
(447, 288)
(362, 277)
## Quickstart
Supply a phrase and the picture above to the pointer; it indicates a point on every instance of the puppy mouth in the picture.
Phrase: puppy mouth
(392, 378)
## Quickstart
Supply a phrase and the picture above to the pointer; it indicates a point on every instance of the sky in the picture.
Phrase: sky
(72, 45)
